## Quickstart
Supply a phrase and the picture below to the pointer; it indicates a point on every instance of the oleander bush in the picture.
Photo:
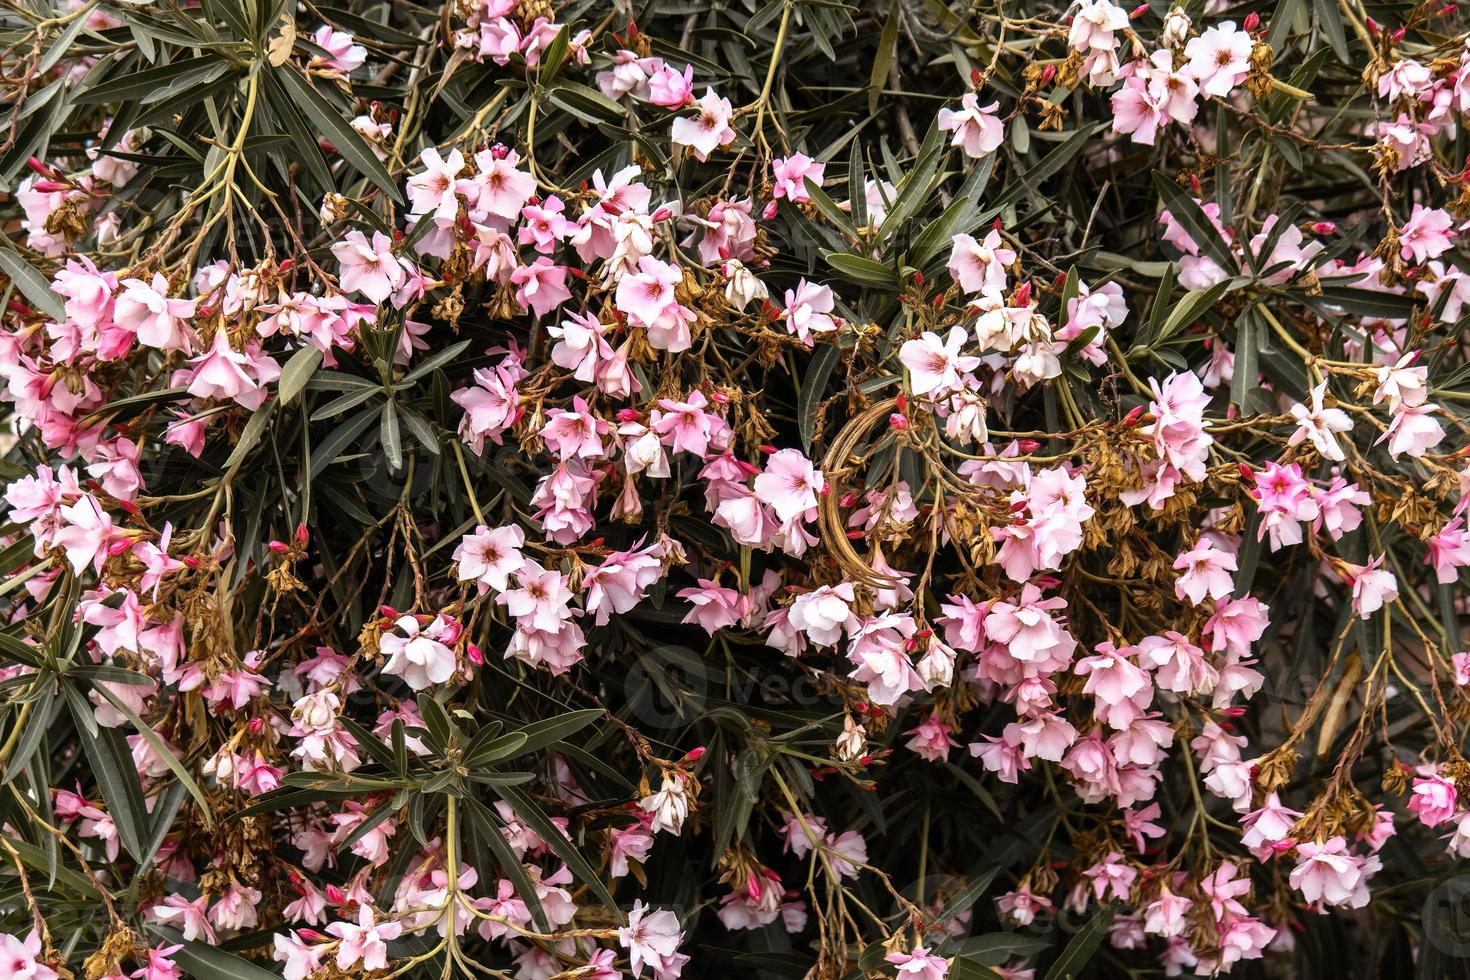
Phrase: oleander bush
(724, 488)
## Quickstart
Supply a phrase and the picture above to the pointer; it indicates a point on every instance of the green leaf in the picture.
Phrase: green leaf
(813, 386)
(829, 208)
(162, 749)
(31, 283)
(324, 453)
(1192, 218)
(487, 824)
(441, 730)
(433, 362)
(203, 960)
(329, 121)
(1195, 304)
(297, 373)
(527, 810)
(494, 750)
(156, 84)
(862, 270)
(251, 434)
(1045, 168)
(1078, 952)
(585, 103)
(966, 897)
(117, 779)
(391, 438)
(540, 734)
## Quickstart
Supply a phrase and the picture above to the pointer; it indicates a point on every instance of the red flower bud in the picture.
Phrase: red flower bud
(1324, 227)
(1140, 10)
(1252, 22)
(1048, 74)
(899, 421)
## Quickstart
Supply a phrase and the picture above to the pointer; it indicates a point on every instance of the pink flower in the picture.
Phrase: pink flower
(490, 557)
(299, 958)
(145, 309)
(715, 606)
(1326, 873)
(647, 293)
(708, 129)
(501, 189)
(545, 224)
(342, 55)
(159, 965)
(1219, 58)
(418, 654)
(365, 942)
(1022, 905)
(936, 365)
(1433, 800)
(789, 176)
(368, 268)
(919, 965)
(670, 89)
(1372, 587)
(807, 311)
(86, 534)
(541, 602)
(790, 484)
(823, 614)
(432, 190)
(1138, 110)
(542, 285)
(1414, 430)
(932, 739)
(1319, 425)
(651, 938)
(1205, 571)
(1427, 234)
(223, 372)
(977, 129)
(976, 265)
(20, 958)
(1094, 24)
(619, 583)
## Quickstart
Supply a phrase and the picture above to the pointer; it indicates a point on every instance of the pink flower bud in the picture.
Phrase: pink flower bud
(899, 421)
(1324, 227)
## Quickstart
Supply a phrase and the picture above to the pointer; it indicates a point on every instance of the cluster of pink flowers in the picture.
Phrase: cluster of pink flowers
(978, 570)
